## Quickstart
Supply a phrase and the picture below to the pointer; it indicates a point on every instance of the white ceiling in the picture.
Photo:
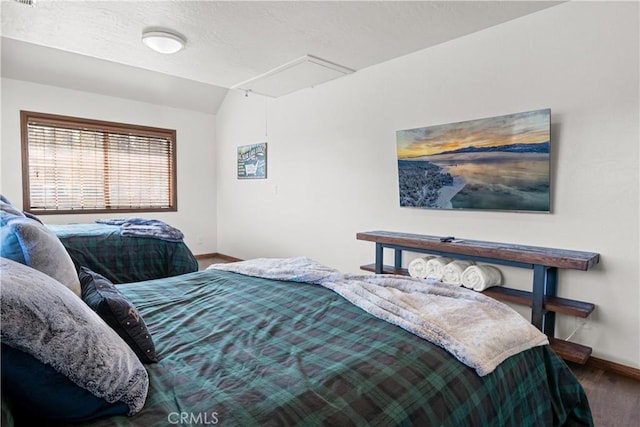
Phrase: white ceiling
(96, 45)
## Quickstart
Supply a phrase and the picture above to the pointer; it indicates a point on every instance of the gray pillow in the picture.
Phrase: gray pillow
(8, 211)
(43, 318)
(40, 248)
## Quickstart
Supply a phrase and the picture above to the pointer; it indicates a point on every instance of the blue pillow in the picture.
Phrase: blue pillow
(36, 389)
(31, 243)
(11, 247)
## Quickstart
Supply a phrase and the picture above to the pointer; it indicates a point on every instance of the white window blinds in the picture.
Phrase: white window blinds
(77, 165)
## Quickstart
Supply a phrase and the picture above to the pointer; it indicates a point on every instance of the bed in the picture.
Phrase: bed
(264, 342)
(240, 350)
(124, 250)
(124, 259)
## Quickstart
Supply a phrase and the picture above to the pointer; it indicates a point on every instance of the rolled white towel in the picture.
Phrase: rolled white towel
(481, 277)
(452, 272)
(418, 267)
(435, 266)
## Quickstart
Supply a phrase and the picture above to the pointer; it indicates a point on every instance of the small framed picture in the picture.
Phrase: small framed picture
(252, 161)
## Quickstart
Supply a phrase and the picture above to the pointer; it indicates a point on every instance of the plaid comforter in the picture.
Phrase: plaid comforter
(242, 351)
(122, 259)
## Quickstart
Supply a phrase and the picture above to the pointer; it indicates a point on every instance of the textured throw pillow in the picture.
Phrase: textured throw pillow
(44, 319)
(29, 242)
(118, 312)
(38, 391)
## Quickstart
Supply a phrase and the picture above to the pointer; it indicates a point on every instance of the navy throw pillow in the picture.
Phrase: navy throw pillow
(118, 312)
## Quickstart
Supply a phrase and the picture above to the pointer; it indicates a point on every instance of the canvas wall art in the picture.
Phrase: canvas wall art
(496, 163)
(252, 161)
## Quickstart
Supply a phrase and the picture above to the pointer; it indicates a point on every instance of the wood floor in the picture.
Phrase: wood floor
(204, 262)
(614, 399)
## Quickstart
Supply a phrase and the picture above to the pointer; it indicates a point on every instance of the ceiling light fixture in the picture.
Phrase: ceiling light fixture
(163, 41)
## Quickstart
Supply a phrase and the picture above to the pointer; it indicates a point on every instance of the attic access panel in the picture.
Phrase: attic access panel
(307, 71)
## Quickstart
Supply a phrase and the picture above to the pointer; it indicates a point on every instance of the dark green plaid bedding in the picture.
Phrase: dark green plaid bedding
(124, 259)
(242, 351)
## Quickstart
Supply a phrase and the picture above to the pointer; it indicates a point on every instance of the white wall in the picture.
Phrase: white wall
(196, 215)
(332, 161)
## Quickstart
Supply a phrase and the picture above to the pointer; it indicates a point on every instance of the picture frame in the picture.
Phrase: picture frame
(252, 161)
(498, 163)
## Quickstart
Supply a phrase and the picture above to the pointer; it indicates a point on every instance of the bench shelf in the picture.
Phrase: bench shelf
(544, 262)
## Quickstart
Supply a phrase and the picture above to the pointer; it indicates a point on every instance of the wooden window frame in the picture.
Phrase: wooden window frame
(27, 117)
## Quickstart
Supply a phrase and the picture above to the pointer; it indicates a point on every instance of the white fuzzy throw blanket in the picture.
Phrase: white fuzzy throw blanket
(477, 330)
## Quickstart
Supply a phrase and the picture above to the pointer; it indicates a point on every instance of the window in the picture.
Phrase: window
(73, 165)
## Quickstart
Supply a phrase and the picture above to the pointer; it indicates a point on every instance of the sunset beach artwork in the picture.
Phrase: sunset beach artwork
(496, 163)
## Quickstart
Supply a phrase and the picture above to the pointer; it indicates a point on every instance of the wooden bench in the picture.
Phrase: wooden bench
(544, 262)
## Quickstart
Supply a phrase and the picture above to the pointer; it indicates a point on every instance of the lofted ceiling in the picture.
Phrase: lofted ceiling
(96, 46)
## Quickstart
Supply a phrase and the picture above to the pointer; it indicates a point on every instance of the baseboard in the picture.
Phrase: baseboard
(606, 365)
(227, 258)
(205, 256)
